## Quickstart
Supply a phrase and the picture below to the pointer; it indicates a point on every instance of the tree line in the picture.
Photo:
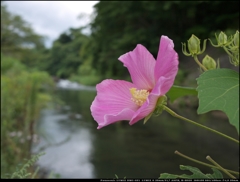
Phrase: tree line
(117, 27)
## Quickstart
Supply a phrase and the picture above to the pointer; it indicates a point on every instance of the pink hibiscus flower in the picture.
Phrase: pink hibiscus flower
(118, 100)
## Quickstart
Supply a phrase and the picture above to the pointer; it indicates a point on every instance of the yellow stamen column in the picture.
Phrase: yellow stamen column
(139, 96)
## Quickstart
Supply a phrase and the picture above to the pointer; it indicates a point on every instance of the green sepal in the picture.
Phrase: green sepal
(158, 108)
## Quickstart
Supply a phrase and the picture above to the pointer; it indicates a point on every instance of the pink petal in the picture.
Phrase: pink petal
(149, 106)
(140, 64)
(145, 109)
(167, 60)
(113, 102)
(162, 86)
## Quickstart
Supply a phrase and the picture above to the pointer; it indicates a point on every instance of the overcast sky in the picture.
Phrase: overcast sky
(51, 18)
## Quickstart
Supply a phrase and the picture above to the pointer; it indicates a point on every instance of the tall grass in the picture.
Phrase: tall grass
(23, 94)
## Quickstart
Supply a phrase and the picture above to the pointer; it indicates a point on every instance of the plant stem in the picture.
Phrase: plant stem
(228, 52)
(235, 61)
(35, 172)
(198, 62)
(203, 163)
(216, 164)
(202, 126)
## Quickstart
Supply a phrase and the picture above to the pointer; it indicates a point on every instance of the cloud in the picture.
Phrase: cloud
(51, 18)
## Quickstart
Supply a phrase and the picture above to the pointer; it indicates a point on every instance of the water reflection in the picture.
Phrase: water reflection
(76, 149)
(67, 144)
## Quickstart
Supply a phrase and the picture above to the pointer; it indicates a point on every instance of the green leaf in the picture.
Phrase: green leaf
(147, 118)
(197, 174)
(177, 91)
(219, 90)
(168, 176)
(216, 174)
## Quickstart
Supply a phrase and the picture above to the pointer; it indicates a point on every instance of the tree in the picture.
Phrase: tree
(119, 26)
(19, 40)
(64, 58)
(17, 35)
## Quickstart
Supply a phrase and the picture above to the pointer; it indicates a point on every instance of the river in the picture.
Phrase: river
(74, 148)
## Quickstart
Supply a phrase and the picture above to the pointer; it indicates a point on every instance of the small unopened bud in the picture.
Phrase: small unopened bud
(236, 39)
(194, 45)
(222, 39)
(209, 63)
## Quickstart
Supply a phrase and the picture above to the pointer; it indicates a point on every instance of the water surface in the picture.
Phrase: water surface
(76, 149)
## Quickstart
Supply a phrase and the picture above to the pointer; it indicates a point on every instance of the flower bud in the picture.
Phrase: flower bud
(194, 45)
(209, 63)
(222, 39)
(236, 39)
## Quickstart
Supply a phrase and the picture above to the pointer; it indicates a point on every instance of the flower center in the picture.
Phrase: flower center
(139, 96)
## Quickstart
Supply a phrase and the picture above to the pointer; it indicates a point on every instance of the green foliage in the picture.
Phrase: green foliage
(116, 29)
(19, 40)
(90, 80)
(176, 91)
(219, 90)
(11, 65)
(23, 173)
(86, 75)
(197, 174)
(17, 35)
(63, 57)
(119, 26)
(23, 94)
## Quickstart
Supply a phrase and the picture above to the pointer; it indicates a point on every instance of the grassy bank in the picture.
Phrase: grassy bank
(23, 94)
